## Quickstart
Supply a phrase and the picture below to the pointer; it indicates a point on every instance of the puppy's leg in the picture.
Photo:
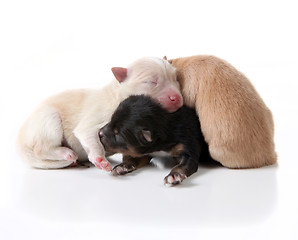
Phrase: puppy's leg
(40, 141)
(130, 164)
(184, 169)
(89, 139)
(55, 153)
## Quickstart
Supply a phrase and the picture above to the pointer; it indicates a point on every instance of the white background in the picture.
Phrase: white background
(50, 46)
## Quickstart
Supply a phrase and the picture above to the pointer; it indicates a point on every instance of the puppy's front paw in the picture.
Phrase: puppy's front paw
(123, 168)
(102, 163)
(174, 179)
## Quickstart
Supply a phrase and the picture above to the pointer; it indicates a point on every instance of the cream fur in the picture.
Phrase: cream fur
(65, 127)
(235, 121)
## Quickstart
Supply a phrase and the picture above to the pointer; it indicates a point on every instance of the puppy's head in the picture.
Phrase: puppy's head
(151, 76)
(137, 127)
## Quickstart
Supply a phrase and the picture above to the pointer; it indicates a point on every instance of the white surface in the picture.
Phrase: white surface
(50, 46)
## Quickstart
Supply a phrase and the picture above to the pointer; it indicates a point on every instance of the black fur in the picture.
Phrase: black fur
(139, 127)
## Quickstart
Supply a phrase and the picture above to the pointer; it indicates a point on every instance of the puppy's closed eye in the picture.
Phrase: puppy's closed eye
(152, 81)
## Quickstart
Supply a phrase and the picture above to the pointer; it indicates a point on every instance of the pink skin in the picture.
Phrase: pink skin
(173, 179)
(100, 163)
(71, 157)
(171, 100)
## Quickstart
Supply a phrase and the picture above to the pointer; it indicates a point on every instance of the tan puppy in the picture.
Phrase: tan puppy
(65, 127)
(235, 122)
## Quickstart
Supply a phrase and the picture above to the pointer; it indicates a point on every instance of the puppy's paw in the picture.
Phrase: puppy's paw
(102, 163)
(123, 168)
(70, 155)
(174, 179)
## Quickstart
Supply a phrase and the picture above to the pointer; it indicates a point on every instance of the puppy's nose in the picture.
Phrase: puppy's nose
(173, 98)
(101, 134)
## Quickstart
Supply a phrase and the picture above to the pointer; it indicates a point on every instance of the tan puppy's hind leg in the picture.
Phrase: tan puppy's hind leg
(232, 159)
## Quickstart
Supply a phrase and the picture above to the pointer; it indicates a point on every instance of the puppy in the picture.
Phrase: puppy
(141, 129)
(65, 127)
(235, 121)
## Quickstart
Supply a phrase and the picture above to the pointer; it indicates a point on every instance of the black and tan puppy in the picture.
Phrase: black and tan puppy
(141, 129)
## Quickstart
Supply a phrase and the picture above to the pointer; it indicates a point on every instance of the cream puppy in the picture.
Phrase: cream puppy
(236, 123)
(65, 127)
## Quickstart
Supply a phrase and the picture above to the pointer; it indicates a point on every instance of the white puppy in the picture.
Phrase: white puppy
(65, 127)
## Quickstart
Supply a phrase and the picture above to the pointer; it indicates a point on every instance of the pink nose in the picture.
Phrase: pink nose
(173, 98)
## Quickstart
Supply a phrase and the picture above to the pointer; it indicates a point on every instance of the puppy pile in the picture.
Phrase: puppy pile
(65, 127)
(82, 125)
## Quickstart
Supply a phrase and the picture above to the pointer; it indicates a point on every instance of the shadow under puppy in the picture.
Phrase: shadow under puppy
(141, 129)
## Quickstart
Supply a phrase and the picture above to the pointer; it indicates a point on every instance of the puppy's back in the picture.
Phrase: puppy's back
(235, 121)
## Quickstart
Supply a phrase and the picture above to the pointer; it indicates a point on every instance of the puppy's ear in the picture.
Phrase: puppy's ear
(165, 58)
(120, 73)
(147, 135)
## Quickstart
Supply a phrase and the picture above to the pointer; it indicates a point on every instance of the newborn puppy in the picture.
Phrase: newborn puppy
(236, 123)
(65, 127)
(142, 129)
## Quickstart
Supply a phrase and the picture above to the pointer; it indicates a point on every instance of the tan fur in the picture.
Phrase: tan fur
(235, 121)
(65, 127)
(177, 149)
